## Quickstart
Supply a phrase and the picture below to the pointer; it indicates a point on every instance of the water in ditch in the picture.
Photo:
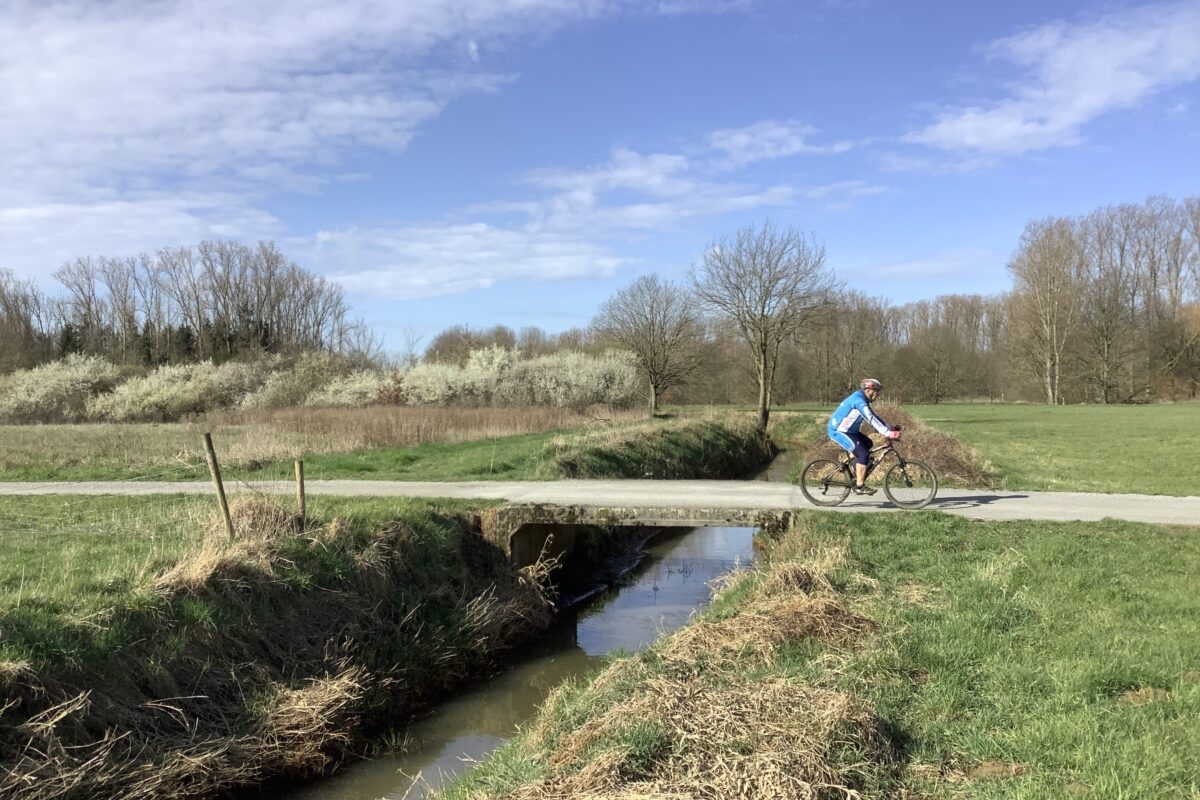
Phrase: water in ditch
(656, 597)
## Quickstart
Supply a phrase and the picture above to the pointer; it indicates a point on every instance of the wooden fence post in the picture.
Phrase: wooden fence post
(215, 470)
(300, 489)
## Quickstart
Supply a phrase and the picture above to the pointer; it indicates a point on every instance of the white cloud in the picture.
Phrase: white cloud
(769, 139)
(572, 231)
(955, 264)
(409, 262)
(656, 173)
(37, 238)
(844, 190)
(1073, 74)
(129, 125)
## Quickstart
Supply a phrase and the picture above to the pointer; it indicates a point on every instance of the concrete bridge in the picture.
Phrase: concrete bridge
(526, 531)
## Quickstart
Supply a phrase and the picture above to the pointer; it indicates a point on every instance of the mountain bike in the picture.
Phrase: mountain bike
(908, 484)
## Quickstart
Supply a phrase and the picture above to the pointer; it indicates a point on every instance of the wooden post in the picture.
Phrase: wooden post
(215, 470)
(300, 489)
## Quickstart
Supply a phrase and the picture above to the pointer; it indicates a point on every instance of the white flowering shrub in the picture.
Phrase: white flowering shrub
(56, 391)
(496, 376)
(436, 385)
(362, 388)
(292, 385)
(171, 392)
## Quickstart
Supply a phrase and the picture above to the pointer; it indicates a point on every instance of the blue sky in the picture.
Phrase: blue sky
(518, 161)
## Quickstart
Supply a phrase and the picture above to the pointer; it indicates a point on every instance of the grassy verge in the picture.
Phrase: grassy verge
(914, 656)
(250, 439)
(1144, 449)
(185, 664)
(720, 447)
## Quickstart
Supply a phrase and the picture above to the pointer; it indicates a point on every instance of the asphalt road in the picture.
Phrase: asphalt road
(739, 495)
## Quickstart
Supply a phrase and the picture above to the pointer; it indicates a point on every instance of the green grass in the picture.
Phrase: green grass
(518, 457)
(1017, 645)
(67, 564)
(1142, 449)
(1017, 642)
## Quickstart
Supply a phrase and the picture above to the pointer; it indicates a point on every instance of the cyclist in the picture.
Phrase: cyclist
(844, 425)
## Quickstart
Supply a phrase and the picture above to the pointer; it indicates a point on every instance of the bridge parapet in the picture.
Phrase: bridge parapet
(526, 530)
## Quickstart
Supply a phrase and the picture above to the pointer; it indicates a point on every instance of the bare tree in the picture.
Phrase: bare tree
(1046, 273)
(770, 283)
(658, 322)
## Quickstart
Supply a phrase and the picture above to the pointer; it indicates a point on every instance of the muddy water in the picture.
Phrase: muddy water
(657, 597)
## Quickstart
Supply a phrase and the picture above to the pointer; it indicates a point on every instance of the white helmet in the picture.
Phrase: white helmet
(870, 383)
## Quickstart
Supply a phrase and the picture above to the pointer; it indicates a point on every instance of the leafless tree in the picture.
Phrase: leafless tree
(1047, 270)
(658, 322)
(770, 283)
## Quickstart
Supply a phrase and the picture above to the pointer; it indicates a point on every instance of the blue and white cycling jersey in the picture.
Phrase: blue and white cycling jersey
(851, 414)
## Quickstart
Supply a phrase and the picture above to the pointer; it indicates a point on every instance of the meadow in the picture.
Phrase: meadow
(250, 441)
(1144, 449)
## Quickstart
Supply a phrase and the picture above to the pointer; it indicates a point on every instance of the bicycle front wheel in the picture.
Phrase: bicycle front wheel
(910, 485)
(825, 483)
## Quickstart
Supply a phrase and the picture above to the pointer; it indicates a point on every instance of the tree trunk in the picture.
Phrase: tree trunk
(653, 399)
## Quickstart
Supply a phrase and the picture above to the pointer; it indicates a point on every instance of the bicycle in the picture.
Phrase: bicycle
(908, 484)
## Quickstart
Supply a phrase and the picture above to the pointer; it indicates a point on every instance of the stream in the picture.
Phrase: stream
(655, 598)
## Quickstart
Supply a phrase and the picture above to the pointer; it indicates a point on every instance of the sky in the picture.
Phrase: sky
(516, 162)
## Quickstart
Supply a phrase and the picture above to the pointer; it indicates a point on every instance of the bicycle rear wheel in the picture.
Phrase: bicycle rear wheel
(825, 483)
(910, 485)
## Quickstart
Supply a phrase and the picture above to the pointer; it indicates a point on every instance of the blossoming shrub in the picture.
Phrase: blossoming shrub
(58, 391)
(496, 376)
(171, 392)
(290, 384)
(362, 388)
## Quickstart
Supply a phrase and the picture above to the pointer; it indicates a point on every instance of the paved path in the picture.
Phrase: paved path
(739, 495)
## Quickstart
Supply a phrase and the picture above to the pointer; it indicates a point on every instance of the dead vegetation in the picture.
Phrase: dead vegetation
(955, 462)
(268, 655)
(703, 715)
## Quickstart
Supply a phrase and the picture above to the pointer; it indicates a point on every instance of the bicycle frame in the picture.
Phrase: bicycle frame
(873, 462)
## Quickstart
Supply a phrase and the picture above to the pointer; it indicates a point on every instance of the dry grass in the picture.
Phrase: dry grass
(270, 673)
(255, 437)
(748, 739)
(754, 636)
(705, 716)
(955, 462)
(335, 430)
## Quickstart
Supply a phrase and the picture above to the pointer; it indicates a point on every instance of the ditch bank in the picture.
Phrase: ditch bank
(277, 655)
(677, 449)
(740, 703)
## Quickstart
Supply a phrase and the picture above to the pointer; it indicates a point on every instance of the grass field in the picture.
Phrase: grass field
(250, 440)
(1066, 652)
(1010, 660)
(1149, 449)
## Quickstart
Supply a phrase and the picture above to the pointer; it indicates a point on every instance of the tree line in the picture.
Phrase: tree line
(215, 301)
(1104, 308)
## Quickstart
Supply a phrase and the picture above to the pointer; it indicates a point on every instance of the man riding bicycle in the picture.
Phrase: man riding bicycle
(844, 425)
